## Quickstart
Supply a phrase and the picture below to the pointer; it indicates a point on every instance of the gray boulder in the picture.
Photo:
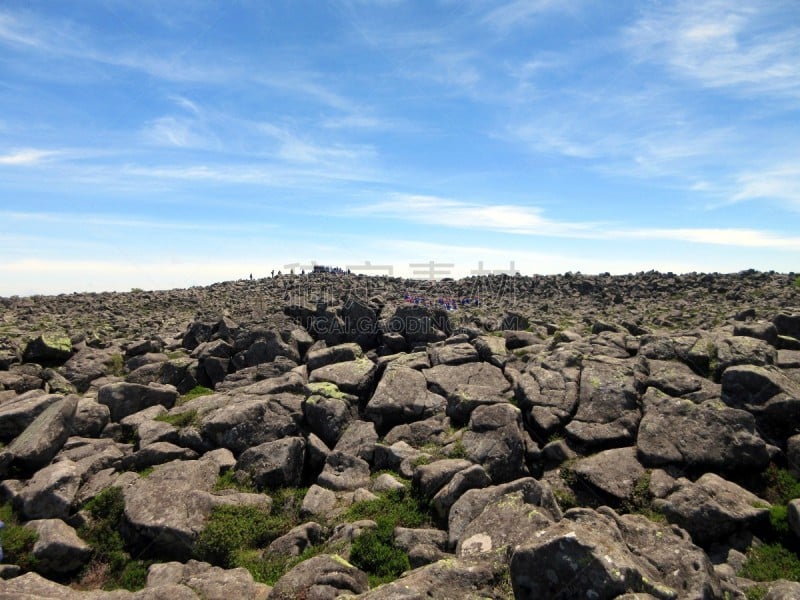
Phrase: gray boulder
(90, 418)
(51, 492)
(453, 354)
(40, 442)
(244, 420)
(547, 397)
(712, 508)
(349, 352)
(48, 349)
(352, 377)
(125, 399)
(473, 502)
(782, 590)
(608, 407)
(708, 436)
(344, 472)
(358, 439)
(402, 396)
(329, 414)
(612, 475)
(323, 577)
(274, 464)
(170, 528)
(156, 453)
(206, 581)
(297, 539)
(495, 440)
(18, 411)
(434, 430)
(58, 550)
(430, 478)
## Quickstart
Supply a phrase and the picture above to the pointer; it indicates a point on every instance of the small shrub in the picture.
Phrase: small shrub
(229, 481)
(397, 507)
(769, 562)
(374, 553)
(779, 518)
(116, 365)
(781, 486)
(231, 529)
(757, 592)
(17, 540)
(111, 565)
(458, 450)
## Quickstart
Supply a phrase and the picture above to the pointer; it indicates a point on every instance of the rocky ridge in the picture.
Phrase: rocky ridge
(566, 436)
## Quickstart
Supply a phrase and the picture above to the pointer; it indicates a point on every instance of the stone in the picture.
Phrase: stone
(709, 436)
(297, 539)
(453, 354)
(274, 464)
(352, 377)
(58, 550)
(51, 492)
(125, 399)
(328, 416)
(358, 439)
(608, 408)
(90, 418)
(494, 439)
(48, 350)
(712, 508)
(318, 501)
(323, 576)
(430, 478)
(20, 410)
(344, 472)
(402, 396)
(156, 453)
(548, 398)
(349, 352)
(611, 474)
(40, 442)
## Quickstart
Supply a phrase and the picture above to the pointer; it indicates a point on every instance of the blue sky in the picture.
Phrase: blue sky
(163, 144)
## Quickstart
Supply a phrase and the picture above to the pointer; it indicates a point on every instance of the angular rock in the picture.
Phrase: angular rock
(245, 420)
(156, 453)
(20, 410)
(90, 418)
(495, 440)
(435, 430)
(712, 508)
(348, 352)
(297, 539)
(125, 399)
(430, 478)
(547, 397)
(324, 576)
(318, 501)
(170, 529)
(40, 442)
(358, 439)
(329, 415)
(352, 377)
(453, 354)
(207, 581)
(708, 436)
(58, 550)
(401, 397)
(51, 492)
(48, 350)
(473, 502)
(274, 464)
(608, 411)
(613, 474)
(344, 472)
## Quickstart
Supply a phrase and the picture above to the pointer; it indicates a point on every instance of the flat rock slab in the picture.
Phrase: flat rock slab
(402, 396)
(612, 474)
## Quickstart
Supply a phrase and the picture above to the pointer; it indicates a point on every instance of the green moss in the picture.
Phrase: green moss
(230, 481)
(182, 419)
(769, 562)
(196, 392)
(233, 529)
(757, 592)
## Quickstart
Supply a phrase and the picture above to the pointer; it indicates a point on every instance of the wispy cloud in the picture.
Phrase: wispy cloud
(781, 182)
(722, 44)
(519, 12)
(27, 157)
(529, 221)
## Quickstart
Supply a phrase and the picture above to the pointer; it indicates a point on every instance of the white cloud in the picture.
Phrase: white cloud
(529, 221)
(27, 157)
(519, 12)
(723, 44)
(778, 183)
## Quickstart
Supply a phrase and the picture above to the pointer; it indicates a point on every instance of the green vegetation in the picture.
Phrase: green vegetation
(116, 365)
(229, 481)
(235, 535)
(17, 540)
(797, 282)
(374, 551)
(183, 419)
(641, 500)
(111, 566)
(771, 561)
(757, 592)
(458, 450)
(196, 392)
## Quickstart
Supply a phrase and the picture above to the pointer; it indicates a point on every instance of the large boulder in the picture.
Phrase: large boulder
(328, 412)
(274, 464)
(352, 377)
(419, 325)
(51, 492)
(712, 508)
(768, 393)
(706, 436)
(402, 396)
(588, 554)
(608, 407)
(125, 399)
(612, 475)
(243, 420)
(58, 549)
(48, 349)
(324, 576)
(40, 442)
(18, 411)
(207, 581)
(168, 509)
(467, 386)
(344, 472)
(495, 440)
(322, 357)
(547, 397)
